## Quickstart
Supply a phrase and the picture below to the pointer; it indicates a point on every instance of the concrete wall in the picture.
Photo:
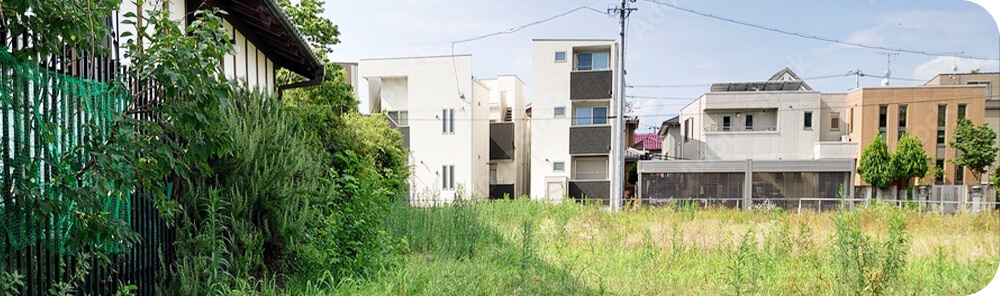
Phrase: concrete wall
(550, 135)
(430, 86)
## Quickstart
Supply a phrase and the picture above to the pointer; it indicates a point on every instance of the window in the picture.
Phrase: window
(902, 116)
(590, 168)
(850, 122)
(591, 115)
(749, 122)
(559, 112)
(493, 174)
(941, 120)
(448, 177)
(808, 120)
(727, 123)
(595, 61)
(883, 113)
(942, 115)
(448, 121)
(961, 111)
(687, 130)
(560, 57)
(399, 118)
(558, 166)
(835, 121)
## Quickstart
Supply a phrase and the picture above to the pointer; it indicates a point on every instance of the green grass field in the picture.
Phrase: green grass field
(529, 248)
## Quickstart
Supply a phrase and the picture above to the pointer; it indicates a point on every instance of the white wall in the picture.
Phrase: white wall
(790, 141)
(260, 72)
(550, 135)
(432, 84)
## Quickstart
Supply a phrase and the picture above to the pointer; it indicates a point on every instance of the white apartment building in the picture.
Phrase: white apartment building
(771, 120)
(510, 139)
(743, 143)
(571, 129)
(443, 113)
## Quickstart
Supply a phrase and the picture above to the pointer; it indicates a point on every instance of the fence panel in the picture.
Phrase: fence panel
(48, 111)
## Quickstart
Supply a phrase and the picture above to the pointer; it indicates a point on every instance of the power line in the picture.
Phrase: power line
(710, 84)
(807, 36)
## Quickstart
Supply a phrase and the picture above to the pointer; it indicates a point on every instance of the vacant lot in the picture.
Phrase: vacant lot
(528, 248)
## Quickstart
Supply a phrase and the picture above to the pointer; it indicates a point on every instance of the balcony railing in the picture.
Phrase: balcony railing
(715, 128)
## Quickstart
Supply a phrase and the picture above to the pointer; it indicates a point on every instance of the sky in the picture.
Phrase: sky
(677, 48)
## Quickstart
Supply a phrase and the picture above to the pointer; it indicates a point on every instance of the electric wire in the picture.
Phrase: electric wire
(807, 36)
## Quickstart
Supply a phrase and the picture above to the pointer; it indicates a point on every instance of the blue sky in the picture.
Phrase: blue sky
(672, 47)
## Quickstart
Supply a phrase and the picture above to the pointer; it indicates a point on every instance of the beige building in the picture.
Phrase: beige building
(928, 112)
(992, 82)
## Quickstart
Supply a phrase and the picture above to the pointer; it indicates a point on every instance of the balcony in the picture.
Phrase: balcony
(501, 140)
(590, 139)
(590, 189)
(502, 191)
(726, 129)
(591, 85)
(400, 124)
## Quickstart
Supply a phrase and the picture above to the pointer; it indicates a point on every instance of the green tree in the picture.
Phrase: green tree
(977, 147)
(910, 161)
(334, 93)
(875, 166)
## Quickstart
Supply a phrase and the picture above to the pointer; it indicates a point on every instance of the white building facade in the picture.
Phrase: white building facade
(444, 115)
(572, 107)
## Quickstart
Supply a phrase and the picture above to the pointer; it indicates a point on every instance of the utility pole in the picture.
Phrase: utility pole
(618, 138)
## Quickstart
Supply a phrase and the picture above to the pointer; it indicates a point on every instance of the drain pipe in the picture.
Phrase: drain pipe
(312, 82)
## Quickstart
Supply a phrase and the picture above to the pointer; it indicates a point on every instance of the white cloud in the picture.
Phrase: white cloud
(940, 65)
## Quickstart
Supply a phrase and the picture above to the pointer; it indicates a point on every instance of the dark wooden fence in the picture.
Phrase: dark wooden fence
(44, 92)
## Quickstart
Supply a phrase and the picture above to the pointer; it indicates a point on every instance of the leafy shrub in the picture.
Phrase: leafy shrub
(864, 264)
(247, 218)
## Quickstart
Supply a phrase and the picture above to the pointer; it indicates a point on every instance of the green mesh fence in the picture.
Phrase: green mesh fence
(45, 116)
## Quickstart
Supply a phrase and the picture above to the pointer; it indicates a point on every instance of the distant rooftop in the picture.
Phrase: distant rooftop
(758, 86)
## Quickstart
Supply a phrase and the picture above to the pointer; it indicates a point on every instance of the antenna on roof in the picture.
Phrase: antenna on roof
(888, 65)
(857, 77)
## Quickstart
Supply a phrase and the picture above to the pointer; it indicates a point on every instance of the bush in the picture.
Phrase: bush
(245, 221)
(865, 264)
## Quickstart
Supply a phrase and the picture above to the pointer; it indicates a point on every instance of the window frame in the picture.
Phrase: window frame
(578, 120)
(748, 122)
(563, 60)
(834, 121)
(727, 126)
(559, 167)
(578, 57)
(807, 120)
(448, 121)
(555, 112)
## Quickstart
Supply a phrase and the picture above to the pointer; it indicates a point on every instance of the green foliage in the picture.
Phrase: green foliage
(744, 266)
(334, 95)
(247, 219)
(60, 24)
(866, 265)
(11, 283)
(977, 146)
(910, 160)
(996, 177)
(875, 168)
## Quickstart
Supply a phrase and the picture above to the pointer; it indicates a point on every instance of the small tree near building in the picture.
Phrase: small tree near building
(875, 168)
(910, 160)
(977, 147)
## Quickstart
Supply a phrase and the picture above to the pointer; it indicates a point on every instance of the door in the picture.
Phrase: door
(554, 191)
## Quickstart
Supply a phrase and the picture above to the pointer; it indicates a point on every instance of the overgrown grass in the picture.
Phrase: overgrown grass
(529, 248)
